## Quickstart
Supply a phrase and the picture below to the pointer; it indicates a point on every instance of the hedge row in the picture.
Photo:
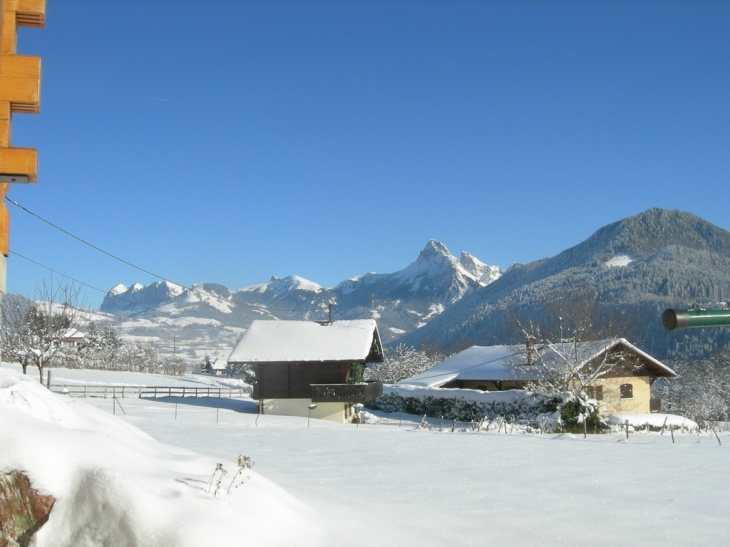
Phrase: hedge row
(462, 410)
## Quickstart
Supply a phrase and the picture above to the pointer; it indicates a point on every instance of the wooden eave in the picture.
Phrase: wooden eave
(20, 83)
(5, 124)
(376, 355)
(327, 362)
(20, 161)
(29, 13)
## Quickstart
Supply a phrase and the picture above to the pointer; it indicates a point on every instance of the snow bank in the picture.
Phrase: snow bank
(115, 485)
(475, 395)
(655, 420)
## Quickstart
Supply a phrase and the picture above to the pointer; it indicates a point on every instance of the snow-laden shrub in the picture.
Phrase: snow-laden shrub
(464, 410)
(578, 414)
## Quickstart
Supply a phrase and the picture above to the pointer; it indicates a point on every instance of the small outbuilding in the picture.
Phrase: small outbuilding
(305, 368)
(621, 389)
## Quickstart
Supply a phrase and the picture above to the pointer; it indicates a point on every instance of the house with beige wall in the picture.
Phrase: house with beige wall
(621, 374)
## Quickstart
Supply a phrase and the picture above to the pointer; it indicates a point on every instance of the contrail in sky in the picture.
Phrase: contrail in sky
(165, 100)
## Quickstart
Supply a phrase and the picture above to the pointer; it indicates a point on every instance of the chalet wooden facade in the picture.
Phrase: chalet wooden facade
(20, 92)
(623, 389)
(300, 364)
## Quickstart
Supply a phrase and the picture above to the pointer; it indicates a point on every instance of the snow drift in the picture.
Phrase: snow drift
(116, 486)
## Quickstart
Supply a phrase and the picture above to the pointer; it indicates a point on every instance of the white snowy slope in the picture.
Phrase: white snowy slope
(279, 286)
(116, 486)
(391, 483)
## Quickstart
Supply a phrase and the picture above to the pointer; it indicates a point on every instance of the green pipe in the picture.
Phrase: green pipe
(696, 317)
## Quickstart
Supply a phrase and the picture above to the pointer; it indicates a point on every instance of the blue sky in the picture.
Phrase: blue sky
(229, 141)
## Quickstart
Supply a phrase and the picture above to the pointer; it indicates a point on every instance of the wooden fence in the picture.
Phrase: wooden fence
(120, 392)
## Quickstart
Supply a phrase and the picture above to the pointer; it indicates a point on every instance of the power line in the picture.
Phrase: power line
(96, 248)
(158, 311)
(14, 253)
(128, 263)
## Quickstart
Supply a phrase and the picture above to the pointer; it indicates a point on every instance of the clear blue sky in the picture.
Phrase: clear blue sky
(228, 141)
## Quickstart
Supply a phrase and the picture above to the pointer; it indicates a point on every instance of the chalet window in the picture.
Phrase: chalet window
(627, 391)
(595, 392)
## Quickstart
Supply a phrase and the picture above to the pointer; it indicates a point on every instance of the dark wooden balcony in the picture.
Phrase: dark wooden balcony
(346, 393)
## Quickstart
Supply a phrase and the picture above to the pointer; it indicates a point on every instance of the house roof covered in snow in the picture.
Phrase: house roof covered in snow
(73, 334)
(308, 341)
(510, 363)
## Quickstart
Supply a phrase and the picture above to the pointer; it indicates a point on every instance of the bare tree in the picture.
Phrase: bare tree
(33, 331)
(402, 362)
(568, 348)
(567, 344)
(702, 390)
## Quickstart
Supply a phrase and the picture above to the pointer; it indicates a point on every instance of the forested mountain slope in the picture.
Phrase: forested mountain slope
(638, 266)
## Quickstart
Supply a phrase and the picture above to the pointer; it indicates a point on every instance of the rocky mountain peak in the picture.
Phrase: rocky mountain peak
(483, 273)
(435, 252)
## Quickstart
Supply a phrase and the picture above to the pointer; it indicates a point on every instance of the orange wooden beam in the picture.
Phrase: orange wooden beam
(31, 13)
(20, 83)
(4, 222)
(9, 32)
(5, 124)
(20, 162)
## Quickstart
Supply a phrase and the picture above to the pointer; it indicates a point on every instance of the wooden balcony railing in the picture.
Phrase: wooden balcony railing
(346, 393)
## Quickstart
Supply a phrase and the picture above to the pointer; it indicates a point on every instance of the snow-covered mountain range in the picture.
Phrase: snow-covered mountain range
(401, 301)
(638, 266)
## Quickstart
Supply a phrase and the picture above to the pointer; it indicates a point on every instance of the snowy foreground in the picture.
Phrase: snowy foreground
(142, 478)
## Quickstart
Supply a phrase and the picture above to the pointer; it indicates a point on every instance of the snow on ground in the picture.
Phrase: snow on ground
(115, 485)
(652, 420)
(392, 483)
(62, 377)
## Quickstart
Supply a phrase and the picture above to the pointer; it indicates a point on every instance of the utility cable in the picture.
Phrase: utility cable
(14, 253)
(115, 257)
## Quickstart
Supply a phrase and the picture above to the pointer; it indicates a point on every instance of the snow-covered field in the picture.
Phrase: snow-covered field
(320, 483)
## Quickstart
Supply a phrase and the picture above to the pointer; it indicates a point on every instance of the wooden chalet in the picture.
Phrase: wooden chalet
(300, 364)
(624, 389)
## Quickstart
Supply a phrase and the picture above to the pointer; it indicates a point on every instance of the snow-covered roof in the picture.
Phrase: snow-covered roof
(509, 363)
(307, 341)
(73, 334)
(218, 365)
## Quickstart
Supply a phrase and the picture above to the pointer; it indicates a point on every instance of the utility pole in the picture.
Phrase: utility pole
(20, 86)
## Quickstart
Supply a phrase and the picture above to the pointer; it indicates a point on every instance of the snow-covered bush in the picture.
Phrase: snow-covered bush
(464, 410)
(579, 413)
(401, 362)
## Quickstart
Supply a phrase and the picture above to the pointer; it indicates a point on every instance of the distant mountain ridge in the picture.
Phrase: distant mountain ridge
(639, 265)
(401, 301)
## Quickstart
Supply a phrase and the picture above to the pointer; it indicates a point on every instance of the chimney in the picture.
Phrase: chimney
(531, 352)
